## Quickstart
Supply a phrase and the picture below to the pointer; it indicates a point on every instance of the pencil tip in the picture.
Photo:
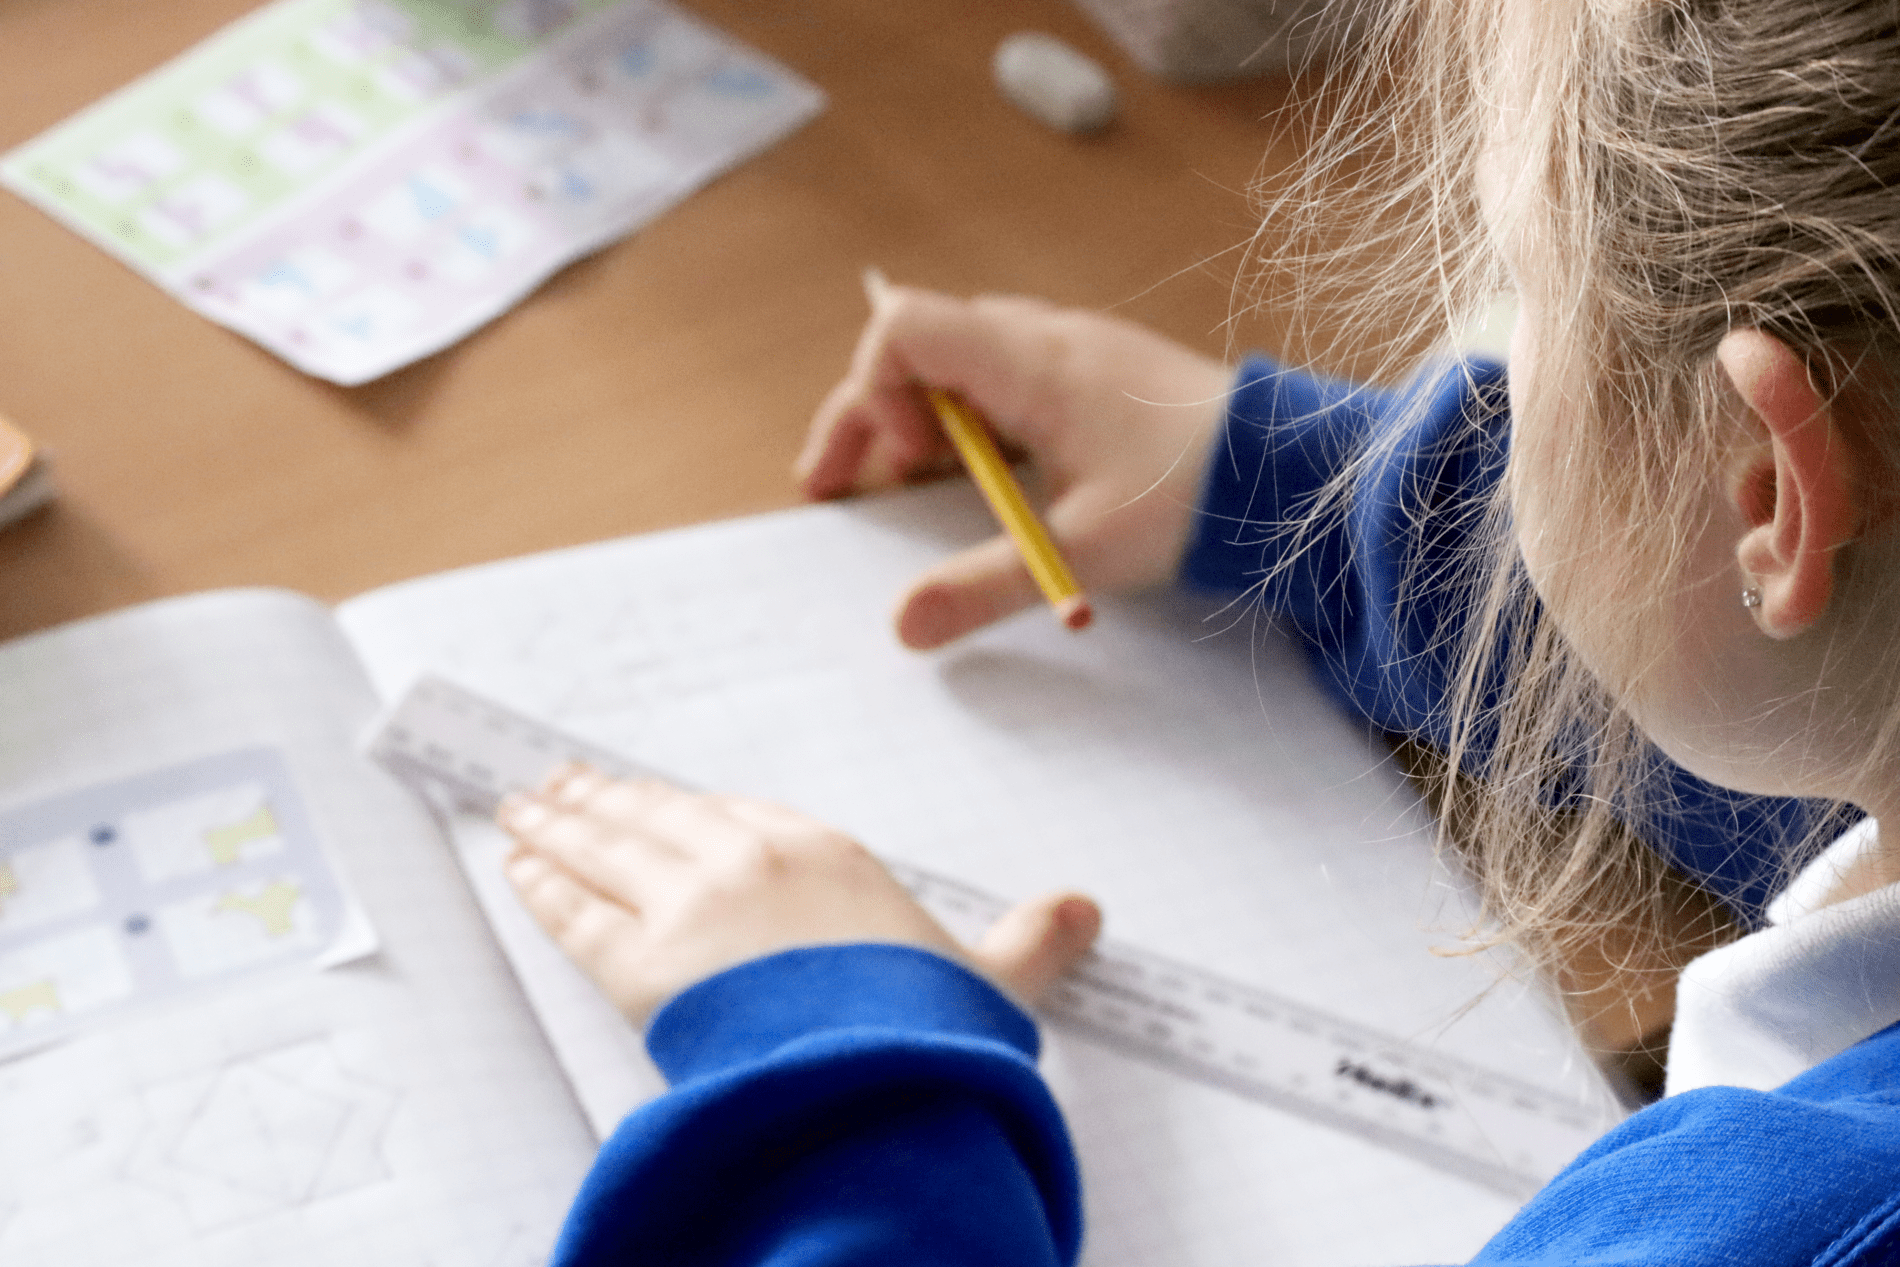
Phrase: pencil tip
(1076, 613)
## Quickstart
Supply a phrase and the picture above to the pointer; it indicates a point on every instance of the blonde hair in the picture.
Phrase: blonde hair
(1697, 166)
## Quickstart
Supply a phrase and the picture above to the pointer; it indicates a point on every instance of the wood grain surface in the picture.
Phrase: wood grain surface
(665, 381)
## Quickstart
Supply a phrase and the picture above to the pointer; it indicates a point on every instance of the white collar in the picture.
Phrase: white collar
(1813, 983)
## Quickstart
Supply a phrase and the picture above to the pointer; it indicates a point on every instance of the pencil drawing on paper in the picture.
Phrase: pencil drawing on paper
(264, 1134)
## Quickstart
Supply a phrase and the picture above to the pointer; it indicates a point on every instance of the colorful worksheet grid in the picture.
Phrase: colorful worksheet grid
(133, 891)
(356, 184)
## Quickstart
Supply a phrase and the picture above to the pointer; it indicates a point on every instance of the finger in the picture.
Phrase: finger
(1106, 546)
(965, 592)
(596, 933)
(841, 434)
(619, 860)
(884, 438)
(873, 418)
(556, 899)
(661, 814)
(634, 803)
(652, 827)
(995, 350)
(1035, 943)
(572, 783)
(842, 430)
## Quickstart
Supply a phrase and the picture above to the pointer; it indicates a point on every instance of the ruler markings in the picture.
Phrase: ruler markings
(1496, 1130)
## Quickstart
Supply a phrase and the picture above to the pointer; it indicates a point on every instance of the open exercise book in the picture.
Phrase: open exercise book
(253, 1011)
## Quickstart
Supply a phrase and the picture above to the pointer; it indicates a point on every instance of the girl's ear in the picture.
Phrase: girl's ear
(1797, 491)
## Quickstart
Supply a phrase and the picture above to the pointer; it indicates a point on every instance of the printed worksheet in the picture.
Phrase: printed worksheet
(129, 892)
(356, 184)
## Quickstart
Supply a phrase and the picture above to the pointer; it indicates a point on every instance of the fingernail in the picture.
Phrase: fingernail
(573, 783)
(1078, 915)
(521, 812)
(558, 776)
(928, 618)
(876, 285)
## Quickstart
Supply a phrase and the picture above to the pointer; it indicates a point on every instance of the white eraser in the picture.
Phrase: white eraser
(1050, 81)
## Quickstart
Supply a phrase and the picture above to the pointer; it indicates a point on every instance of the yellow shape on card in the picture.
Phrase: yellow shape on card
(227, 843)
(9, 882)
(18, 1002)
(272, 908)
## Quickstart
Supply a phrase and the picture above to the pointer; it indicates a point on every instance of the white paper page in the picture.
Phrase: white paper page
(356, 184)
(395, 1111)
(1194, 780)
(604, 1058)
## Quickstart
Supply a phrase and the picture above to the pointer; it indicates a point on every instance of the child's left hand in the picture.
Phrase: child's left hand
(650, 889)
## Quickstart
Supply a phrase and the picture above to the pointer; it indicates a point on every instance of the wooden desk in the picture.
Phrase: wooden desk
(665, 381)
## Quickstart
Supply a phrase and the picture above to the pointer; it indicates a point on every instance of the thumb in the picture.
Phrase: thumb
(963, 593)
(1037, 941)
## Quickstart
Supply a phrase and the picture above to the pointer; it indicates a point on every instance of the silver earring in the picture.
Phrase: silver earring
(1751, 597)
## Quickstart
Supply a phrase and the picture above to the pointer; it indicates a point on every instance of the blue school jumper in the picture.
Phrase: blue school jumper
(871, 1104)
(878, 1106)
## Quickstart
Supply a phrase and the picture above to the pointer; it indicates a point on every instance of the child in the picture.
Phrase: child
(1696, 549)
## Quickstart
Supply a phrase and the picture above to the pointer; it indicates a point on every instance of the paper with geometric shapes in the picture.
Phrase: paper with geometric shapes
(240, 1138)
(127, 892)
(279, 1129)
(356, 184)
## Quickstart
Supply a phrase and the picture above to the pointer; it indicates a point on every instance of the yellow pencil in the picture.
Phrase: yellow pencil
(1005, 496)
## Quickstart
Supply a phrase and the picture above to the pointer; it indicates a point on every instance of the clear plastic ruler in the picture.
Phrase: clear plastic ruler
(1499, 1131)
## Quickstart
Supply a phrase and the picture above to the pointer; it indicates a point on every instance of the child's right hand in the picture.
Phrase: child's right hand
(1118, 420)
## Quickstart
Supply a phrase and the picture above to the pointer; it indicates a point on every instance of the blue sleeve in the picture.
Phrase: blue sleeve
(1429, 459)
(1725, 1177)
(1336, 579)
(836, 1106)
